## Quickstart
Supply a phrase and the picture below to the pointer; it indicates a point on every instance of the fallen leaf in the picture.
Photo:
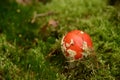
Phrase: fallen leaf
(24, 2)
(53, 23)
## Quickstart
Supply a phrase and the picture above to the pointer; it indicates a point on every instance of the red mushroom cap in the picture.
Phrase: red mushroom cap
(76, 44)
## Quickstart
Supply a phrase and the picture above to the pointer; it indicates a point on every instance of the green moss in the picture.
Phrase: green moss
(25, 46)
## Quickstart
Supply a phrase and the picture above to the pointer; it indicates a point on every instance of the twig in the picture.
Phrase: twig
(51, 53)
(41, 15)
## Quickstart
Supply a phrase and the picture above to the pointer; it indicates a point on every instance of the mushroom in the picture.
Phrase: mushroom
(76, 45)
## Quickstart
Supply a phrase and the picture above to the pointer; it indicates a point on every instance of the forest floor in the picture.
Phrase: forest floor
(30, 32)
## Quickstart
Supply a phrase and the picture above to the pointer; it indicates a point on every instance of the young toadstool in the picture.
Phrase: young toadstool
(75, 45)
